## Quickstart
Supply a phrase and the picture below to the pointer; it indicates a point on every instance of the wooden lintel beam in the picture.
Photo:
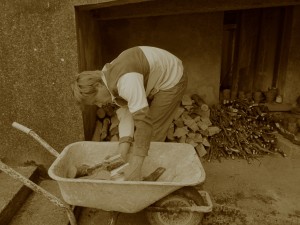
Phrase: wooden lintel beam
(99, 4)
(171, 7)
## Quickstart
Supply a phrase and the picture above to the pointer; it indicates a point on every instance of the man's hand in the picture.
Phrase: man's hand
(133, 171)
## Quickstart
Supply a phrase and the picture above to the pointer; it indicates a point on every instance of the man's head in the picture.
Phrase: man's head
(88, 88)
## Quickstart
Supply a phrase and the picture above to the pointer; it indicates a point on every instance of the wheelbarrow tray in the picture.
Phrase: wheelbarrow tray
(183, 168)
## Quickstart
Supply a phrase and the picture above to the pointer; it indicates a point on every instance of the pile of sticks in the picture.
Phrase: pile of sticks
(247, 131)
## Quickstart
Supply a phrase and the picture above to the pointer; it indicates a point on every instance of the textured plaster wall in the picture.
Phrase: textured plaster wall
(195, 38)
(38, 61)
(292, 82)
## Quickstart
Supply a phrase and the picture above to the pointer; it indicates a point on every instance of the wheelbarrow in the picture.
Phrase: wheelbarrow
(172, 199)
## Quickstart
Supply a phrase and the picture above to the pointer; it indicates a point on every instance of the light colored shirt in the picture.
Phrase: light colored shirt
(165, 72)
(161, 71)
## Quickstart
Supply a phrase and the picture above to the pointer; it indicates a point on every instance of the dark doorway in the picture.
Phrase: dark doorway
(253, 48)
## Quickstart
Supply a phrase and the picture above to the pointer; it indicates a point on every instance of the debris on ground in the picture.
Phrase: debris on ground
(247, 131)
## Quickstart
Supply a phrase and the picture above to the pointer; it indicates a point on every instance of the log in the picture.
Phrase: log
(205, 142)
(170, 134)
(200, 102)
(178, 113)
(101, 113)
(109, 165)
(179, 123)
(181, 131)
(97, 131)
(190, 122)
(155, 175)
(203, 126)
(114, 122)
(109, 110)
(201, 150)
(198, 138)
(182, 139)
(213, 130)
(114, 138)
(114, 131)
(186, 100)
(105, 130)
(191, 141)
(200, 112)
(206, 120)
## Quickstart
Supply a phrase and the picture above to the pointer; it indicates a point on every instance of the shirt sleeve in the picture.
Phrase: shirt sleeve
(126, 125)
(131, 88)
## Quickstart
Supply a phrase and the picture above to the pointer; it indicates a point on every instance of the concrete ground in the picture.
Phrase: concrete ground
(264, 192)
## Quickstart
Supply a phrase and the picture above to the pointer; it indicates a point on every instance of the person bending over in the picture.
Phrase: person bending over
(147, 83)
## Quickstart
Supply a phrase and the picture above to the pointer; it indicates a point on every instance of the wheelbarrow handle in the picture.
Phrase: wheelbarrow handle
(36, 137)
(21, 127)
(52, 198)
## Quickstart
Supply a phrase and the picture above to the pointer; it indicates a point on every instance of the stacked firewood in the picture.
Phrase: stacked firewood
(106, 128)
(192, 124)
(235, 129)
(247, 131)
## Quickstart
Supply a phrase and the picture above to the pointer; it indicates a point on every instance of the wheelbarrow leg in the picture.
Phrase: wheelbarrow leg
(56, 201)
(114, 217)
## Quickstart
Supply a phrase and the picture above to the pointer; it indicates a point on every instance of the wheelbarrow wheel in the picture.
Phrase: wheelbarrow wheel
(184, 197)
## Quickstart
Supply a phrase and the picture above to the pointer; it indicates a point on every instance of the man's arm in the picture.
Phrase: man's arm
(131, 88)
(126, 131)
(143, 132)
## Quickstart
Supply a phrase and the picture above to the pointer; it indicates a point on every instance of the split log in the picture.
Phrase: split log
(191, 141)
(203, 126)
(186, 100)
(198, 138)
(179, 122)
(182, 139)
(201, 150)
(181, 131)
(206, 120)
(213, 130)
(178, 113)
(205, 142)
(190, 122)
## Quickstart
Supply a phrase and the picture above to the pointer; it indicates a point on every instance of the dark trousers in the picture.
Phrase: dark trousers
(163, 108)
